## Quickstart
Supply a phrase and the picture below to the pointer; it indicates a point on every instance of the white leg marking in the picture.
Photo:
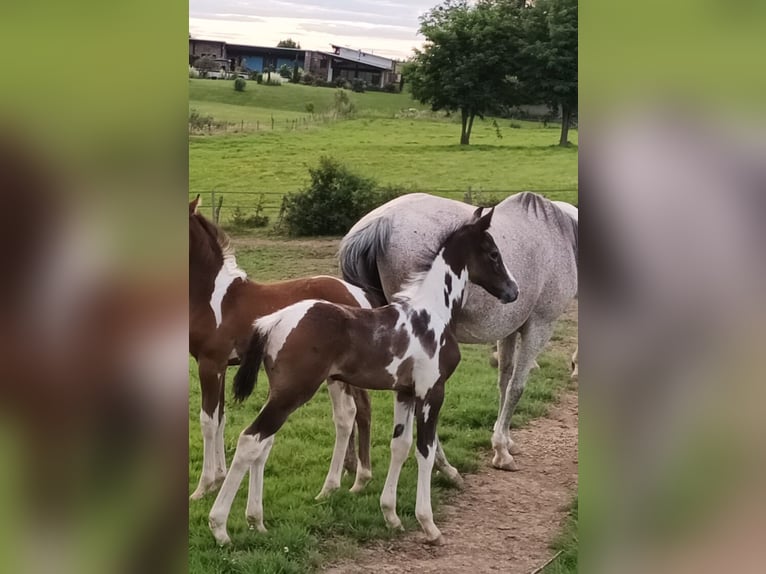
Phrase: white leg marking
(249, 447)
(400, 449)
(220, 451)
(207, 481)
(423, 511)
(254, 511)
(343, 413)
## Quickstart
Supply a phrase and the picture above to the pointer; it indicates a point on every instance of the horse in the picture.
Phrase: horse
(407, 347)
(538, 239)
(573, 212)
(223, 303)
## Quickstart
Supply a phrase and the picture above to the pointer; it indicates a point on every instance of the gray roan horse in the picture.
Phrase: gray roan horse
(538, 241)
(407, 347)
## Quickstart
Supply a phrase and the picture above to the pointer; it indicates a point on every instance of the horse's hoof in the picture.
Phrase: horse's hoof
(255, 524)
(505, 464)
(325, 493)
(361, 481)
(438, 541)
(219, 532)
(395, 524)
(514, 449)
(202, 490)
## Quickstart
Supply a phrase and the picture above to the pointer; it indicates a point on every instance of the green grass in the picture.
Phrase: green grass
(568, 544)
(303, 534)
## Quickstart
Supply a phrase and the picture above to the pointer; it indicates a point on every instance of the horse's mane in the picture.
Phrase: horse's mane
(544, 209)
(221, 238)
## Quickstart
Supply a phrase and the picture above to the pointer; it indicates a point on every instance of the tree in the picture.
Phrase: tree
(550, 57)
(289, 43)
(467, 63)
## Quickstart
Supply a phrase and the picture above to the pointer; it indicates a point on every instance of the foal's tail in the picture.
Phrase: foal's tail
(359, 253)
(247, 374)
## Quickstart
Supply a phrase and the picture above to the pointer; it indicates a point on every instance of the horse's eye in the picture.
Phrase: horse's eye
(493, 255)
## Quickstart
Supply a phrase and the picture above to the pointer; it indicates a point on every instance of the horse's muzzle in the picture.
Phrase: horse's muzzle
(510, 294)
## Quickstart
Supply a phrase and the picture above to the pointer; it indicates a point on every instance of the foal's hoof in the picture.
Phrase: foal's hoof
(505, 463)
(204, 489)
(255, 524)
(219, 532)
(514, 450)
(438, 541)
(326, 492)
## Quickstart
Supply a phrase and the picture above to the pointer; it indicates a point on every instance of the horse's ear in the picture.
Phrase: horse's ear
(485, 220)
(194, 205)
(477, 214)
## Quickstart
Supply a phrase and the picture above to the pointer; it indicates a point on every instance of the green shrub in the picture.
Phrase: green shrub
(392, 87)
(358, 85)
(308, 79)
(342, 104)
(239, 84)
(259, 78)
(479, 199)
(310, 108)
(334, 200)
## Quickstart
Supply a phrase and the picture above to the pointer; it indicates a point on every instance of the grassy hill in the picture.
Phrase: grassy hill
(416, 151)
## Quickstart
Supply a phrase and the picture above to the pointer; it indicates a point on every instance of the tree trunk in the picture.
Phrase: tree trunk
(470, 127)
(566, 114)
(464, 135)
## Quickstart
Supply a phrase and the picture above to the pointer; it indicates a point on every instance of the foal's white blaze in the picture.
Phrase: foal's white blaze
(281, 323)
(228, 273)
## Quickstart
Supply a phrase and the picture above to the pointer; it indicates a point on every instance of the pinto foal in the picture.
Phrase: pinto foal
(407, 347)
(223, 303)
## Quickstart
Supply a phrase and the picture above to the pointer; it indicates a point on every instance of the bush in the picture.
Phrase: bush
(478, 199)
(342, 105)
(310, 108)
(308, 79)
(199, 122)
(239, 84)
(358, 85)
(334, 200)
(259, 78)
(392, 87)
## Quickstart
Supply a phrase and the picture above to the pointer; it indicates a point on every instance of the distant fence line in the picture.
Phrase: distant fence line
(212, 198)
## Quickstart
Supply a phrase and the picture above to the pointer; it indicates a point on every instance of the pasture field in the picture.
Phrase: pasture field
(304, 534)
(417, 153)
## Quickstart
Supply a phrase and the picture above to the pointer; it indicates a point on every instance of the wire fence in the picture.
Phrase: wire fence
(269, 203)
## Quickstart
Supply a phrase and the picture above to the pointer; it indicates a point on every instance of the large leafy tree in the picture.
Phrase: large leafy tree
(288, 43)
(549, 57)
(467, 63)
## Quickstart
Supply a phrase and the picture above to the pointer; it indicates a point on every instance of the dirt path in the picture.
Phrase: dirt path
(501, 521)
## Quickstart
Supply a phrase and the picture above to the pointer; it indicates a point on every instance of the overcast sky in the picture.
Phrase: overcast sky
(385, 27)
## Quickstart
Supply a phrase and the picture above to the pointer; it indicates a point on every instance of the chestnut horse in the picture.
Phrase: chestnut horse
(223, 303)
(407, 347)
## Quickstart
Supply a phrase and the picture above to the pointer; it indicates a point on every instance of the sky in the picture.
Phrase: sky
(385, 27)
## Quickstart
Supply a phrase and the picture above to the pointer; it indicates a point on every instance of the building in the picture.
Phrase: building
(347, 63)
(328, 66)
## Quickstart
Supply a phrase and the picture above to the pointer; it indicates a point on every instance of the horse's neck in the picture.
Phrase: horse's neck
(441, 289)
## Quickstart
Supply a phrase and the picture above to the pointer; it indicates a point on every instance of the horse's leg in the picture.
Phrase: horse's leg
(442, 464)
(404, 409)
(363, 424)
(427, 415)
(220, 449)
(506, 354)
(534, 336)
(254, 510)
(575, 364)
(343, 412)
(209, 378)
(350, 460)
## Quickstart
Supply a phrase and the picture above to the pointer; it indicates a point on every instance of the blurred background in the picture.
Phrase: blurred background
(672, 309)
(93, 345)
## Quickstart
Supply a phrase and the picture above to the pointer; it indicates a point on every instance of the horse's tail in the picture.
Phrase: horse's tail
(247, 374)
(359, 253)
